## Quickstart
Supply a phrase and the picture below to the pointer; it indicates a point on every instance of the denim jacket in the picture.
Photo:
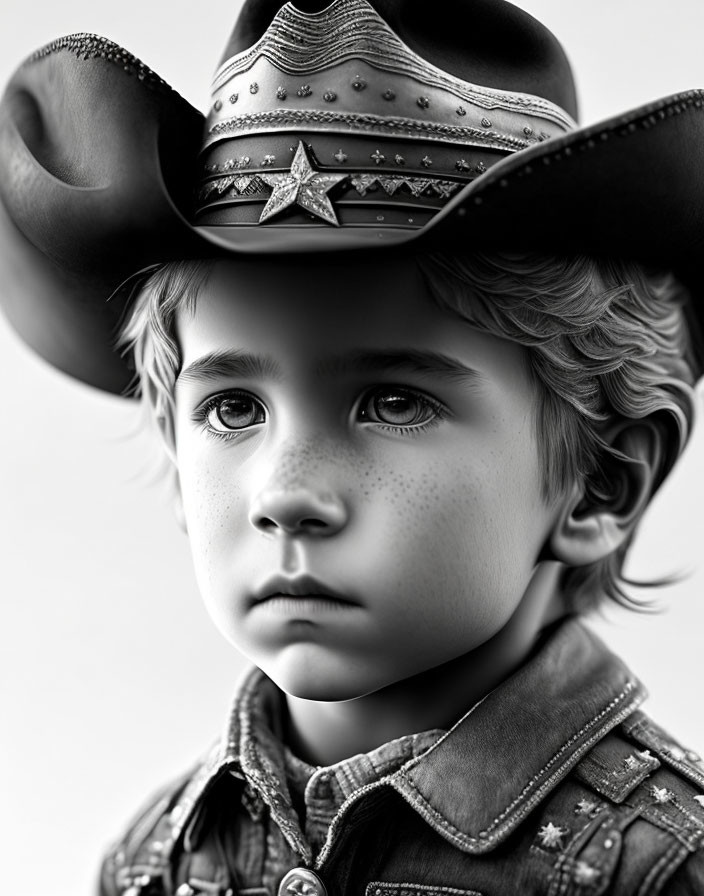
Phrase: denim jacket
(554, 784)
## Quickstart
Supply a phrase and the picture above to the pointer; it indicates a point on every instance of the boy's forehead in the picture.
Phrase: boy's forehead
(316, 280)
(265, 300)
(332, 317)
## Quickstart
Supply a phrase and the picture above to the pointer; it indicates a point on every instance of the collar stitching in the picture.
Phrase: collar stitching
(489, 835)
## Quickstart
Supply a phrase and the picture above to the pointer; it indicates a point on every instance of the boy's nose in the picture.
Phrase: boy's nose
(298, 511)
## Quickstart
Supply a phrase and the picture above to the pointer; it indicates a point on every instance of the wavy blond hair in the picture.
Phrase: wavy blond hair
(606, 341)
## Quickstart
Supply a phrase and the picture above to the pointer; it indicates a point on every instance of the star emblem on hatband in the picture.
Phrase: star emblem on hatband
(550, 835)
(302, 186)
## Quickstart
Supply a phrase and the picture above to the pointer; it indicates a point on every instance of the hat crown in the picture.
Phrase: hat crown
(485, 42)
(335, 102)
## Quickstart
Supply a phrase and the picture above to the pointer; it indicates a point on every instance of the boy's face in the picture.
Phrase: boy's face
(359, 472)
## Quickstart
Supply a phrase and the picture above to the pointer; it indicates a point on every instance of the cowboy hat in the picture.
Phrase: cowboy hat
(344, 127)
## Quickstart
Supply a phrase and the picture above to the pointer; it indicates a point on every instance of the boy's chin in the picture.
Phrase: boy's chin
(324, 682)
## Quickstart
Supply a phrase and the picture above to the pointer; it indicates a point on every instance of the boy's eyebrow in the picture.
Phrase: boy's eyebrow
(407, 360)
(222, 364)
(227, 363)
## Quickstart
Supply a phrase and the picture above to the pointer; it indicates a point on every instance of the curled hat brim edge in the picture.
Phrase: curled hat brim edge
(630, 186)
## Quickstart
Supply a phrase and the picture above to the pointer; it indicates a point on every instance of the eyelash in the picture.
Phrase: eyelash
(428, 404)
(202, 414)
(438, 410)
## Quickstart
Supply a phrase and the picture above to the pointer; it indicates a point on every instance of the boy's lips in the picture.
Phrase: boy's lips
(300, 586)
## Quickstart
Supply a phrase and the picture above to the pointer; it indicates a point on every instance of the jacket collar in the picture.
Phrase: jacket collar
(509, 751)
(516, 745)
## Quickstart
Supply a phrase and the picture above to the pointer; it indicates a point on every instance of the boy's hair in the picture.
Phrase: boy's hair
(606, 341)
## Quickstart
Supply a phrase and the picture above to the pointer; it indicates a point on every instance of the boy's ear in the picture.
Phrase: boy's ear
(588, 530)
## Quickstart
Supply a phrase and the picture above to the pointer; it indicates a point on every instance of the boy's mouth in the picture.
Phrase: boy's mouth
(301, 587)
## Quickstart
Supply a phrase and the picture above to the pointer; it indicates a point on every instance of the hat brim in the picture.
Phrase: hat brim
(76, 224)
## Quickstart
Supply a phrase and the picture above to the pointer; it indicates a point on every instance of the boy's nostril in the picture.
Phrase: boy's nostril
(267, 524)
(297, 512)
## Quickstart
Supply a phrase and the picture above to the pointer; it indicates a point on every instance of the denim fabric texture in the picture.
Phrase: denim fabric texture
(556, 783)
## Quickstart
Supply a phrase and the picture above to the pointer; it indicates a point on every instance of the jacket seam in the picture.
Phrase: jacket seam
(432, 815)
(663, 869)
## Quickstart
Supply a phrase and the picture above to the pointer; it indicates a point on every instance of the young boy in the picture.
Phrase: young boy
(403, 473)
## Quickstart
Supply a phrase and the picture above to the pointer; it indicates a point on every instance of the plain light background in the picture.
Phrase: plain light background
(112, 679)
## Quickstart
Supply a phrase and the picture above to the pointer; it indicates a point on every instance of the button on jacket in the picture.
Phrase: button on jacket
(556, 783)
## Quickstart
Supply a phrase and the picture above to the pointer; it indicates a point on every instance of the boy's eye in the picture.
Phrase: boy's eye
(395, 406)
(227, 413)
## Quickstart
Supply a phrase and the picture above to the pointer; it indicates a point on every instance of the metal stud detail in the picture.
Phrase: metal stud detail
(423, 102)
(586, 807)
(460, 110)
(185, 890)
(234, 97)
(304, 90)
(661, 794)
(378, 157)
(388, 95)
(340, 156)
(230, 165)
(399, 159)
(329, 96)
(254, 87)
(551, 836)
(584, 874)
(302, 882)
(426, 161)
(358, 83)
(281, 93)
(486, 123)
(217, 105)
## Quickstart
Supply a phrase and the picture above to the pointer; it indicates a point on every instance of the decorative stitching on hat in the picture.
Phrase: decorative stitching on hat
(650, 117)
(375, 125)
(92, 46)
(254, 185)
(301, 43)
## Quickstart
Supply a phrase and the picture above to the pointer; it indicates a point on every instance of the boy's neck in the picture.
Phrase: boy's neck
(323, 733)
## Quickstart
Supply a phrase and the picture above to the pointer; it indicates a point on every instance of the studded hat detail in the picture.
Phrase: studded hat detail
(331, 117)
(358, 125)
